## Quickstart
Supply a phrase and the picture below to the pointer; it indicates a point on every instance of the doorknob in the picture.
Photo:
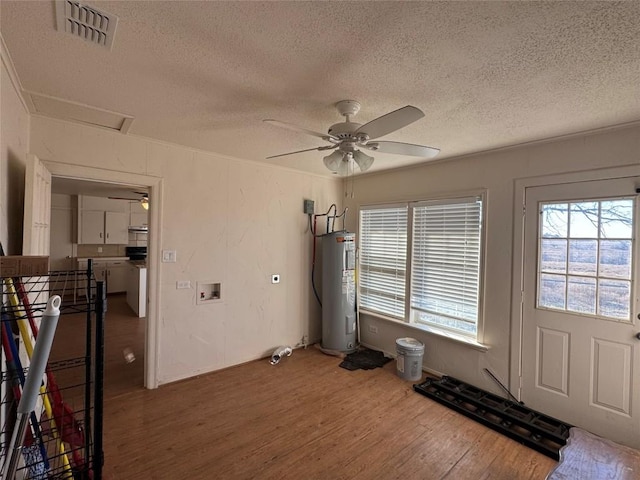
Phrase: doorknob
(638, 335)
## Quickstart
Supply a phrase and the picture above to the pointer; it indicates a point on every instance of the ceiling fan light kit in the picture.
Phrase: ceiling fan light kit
(348, 138)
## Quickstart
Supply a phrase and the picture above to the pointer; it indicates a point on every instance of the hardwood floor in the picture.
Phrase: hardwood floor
(304, 418)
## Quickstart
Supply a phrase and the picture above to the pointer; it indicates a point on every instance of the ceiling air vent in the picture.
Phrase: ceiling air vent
(86, 22)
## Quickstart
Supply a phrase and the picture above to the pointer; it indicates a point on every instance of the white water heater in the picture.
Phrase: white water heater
(339, 292)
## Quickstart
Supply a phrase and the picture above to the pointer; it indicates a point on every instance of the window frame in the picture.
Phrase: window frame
(408, 320)
(597, 277)
(407, 259)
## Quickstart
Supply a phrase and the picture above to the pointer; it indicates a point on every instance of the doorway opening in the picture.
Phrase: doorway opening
(108, 224)
(101, 184)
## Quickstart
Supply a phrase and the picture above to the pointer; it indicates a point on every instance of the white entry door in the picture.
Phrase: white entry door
(580, 353)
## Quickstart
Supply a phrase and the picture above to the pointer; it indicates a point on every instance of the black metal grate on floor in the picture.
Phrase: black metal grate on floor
(545, 434)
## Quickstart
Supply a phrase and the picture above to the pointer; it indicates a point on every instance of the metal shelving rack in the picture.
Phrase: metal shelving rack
(73, 450)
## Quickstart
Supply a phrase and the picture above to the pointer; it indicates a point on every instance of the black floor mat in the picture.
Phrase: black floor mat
(364, 359)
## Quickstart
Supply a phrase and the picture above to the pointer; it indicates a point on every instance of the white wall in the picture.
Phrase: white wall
(496, 172)
(14, 142)
(230, 221)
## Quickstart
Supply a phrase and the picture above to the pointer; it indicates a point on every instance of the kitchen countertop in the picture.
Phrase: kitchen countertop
(102, 259)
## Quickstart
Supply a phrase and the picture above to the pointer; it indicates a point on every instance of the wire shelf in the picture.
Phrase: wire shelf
(64, 436)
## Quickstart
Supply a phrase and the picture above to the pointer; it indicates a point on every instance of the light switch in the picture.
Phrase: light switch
(168, 256)
(180, 284)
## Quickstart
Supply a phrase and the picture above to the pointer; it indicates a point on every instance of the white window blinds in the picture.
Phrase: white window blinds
(383, 259)
(445, 266)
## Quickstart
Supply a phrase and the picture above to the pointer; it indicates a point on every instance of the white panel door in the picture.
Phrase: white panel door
(37, 208)
(580, 353)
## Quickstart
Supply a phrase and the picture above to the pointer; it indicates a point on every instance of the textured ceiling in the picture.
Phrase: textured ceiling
(204, 74)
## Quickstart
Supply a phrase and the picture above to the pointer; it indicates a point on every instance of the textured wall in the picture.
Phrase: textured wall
(14, 142)
(230, 221)
(496, 173)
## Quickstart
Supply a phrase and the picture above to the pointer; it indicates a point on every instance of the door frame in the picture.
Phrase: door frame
(517, 293)
(155, 186)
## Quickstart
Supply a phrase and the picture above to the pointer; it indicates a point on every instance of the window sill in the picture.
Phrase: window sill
(453, 337)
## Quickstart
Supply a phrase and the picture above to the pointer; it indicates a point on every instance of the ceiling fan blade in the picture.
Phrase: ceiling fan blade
(325, 136)
(328, 147)
(363, 160)
(391, 122)
(402, 149)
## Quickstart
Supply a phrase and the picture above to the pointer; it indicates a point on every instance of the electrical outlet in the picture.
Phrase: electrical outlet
(169, 256)
(373, 329)
(275, 278)
(180, 284)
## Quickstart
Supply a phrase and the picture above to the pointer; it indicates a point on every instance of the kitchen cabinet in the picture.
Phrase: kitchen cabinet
(117, 274)
(116, 228)
(98, 227)
(113, 271)
(139, 217)
(88, 202)
(103, 220)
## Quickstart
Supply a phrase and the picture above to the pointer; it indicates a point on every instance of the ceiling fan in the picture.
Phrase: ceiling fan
(349, 138)
(144, 199)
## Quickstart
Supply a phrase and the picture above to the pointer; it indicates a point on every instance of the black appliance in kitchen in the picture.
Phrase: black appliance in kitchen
(136, 253)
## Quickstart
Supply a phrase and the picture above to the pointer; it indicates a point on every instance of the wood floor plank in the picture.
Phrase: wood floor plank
(304, 418)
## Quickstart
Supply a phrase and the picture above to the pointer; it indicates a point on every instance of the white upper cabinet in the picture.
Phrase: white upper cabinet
(139, 216)
(116, 228)
(91, 227)
(103, 227)
(103, 220)
(104, 204)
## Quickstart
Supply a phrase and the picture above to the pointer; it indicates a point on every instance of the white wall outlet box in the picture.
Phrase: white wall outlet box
(208, 292)
(169, 256)
(180, 284)
(373, 329)
(275, 278)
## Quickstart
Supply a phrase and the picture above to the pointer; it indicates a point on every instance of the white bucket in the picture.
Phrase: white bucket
(409, 360)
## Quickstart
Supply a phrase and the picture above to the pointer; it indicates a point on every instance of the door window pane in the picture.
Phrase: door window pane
(553, 256)
(615, 259)
(555, 220)
(614, 298)
(586, 257)
(583, 257)
(581, 295)
(617, 219)
(552, 291)
(583, 221)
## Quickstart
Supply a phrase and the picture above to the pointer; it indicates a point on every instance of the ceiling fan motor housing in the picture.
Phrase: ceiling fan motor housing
(344, 129)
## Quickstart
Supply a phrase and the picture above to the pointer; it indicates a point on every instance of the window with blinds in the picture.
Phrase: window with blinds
(437, 282)
(445, 263)
(383, 259)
